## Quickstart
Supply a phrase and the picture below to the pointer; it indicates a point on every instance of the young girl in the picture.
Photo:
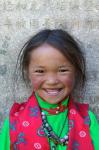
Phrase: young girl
(51, 119)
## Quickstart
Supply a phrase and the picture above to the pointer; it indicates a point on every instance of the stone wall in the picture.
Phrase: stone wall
(19, 19)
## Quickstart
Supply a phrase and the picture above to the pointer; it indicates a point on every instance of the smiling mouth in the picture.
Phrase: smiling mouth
(53, 92)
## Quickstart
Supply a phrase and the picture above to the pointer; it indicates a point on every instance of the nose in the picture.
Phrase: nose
(52, 79)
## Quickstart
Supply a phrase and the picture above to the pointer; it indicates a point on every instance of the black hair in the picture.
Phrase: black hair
(61, 40)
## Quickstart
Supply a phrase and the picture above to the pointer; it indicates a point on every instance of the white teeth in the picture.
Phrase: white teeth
(52, 92)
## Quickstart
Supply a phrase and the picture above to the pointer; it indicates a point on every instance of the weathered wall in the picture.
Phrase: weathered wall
(20, 19)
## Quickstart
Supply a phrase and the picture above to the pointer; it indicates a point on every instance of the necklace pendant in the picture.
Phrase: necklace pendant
(66, 142)
(54, 147)
(63, 144)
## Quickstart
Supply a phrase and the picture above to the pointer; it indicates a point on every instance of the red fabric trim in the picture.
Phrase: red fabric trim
(26, 127)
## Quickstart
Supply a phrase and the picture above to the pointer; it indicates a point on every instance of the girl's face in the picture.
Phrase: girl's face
(51, 74)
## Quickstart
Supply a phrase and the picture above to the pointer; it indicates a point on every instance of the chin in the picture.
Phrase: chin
(54, 101)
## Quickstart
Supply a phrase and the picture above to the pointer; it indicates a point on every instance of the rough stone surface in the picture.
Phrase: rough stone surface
(21, 19)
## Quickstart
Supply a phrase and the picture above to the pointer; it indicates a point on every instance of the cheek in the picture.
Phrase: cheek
(36, 83)
(69, 81)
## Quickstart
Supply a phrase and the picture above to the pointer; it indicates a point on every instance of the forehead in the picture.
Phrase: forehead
(47, 53)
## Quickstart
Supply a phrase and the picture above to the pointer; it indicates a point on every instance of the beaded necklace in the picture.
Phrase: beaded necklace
(51, 135)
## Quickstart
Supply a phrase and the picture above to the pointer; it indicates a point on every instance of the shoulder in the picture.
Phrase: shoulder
(93, 119)
(18, 108)
(82, 108)
(4, 135)
(5, 124)
(94, 129)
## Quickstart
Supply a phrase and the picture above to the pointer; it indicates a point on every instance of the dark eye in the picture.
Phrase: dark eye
(63, 70)
(39, 71)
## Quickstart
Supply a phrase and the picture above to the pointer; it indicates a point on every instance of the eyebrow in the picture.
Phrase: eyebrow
(64, 66)
(38, 66)
(42, 67)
